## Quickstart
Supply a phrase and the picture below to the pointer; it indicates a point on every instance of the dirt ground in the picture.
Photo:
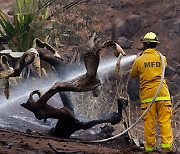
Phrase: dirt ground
(14, 142)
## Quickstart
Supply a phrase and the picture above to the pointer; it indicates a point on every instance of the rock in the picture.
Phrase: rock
(119, 5)
(133, 88)
(124, 42)
(133, 24)
(106, 131)
(128, 27)
(178, 70)
(176, 80)
(173, 75)
(28, 131)
(162, 25)
(145, 24)
(176, 99)
(176, 27)
(173, 88)
(121, 28)
(169, 72)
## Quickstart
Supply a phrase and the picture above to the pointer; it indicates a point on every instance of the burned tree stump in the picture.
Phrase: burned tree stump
(67, 123)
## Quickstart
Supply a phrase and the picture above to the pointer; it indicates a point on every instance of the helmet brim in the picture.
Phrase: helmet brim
(149, 41)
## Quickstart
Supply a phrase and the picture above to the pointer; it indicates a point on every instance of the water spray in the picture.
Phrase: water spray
(106, 65)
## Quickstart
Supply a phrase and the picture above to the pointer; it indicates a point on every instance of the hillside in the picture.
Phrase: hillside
(133, 19)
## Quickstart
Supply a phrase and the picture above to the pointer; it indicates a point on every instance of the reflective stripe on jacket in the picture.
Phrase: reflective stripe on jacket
(148, 68)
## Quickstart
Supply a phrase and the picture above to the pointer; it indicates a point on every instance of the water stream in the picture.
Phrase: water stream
(105, 65)
(12, 115)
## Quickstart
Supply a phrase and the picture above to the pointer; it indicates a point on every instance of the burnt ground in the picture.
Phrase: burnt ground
(160, 16)
(16, 142)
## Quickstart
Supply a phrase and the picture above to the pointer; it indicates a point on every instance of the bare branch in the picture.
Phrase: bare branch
(75, 2)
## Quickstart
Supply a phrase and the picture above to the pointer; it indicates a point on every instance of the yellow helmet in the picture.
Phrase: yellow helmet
(150, 37)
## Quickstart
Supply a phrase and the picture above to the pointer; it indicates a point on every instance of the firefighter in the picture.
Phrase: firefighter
(149, 69)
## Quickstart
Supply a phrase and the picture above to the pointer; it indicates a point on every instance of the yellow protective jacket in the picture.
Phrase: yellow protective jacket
(149, 69)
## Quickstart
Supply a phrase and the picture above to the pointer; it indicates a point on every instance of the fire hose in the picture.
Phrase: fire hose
(154, 98)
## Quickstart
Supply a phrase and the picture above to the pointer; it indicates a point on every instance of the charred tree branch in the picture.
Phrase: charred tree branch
(67, 123)
(26, 59)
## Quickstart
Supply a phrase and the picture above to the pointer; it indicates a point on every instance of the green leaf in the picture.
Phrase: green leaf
(20, 31)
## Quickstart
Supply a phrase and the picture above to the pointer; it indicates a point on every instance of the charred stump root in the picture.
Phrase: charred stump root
(89, 81)
(67, 123)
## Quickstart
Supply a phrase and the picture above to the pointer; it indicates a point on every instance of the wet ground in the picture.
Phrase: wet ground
(17, 143)
(21, 132)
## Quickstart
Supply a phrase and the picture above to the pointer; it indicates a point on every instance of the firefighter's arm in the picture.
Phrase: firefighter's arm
(134, 71)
